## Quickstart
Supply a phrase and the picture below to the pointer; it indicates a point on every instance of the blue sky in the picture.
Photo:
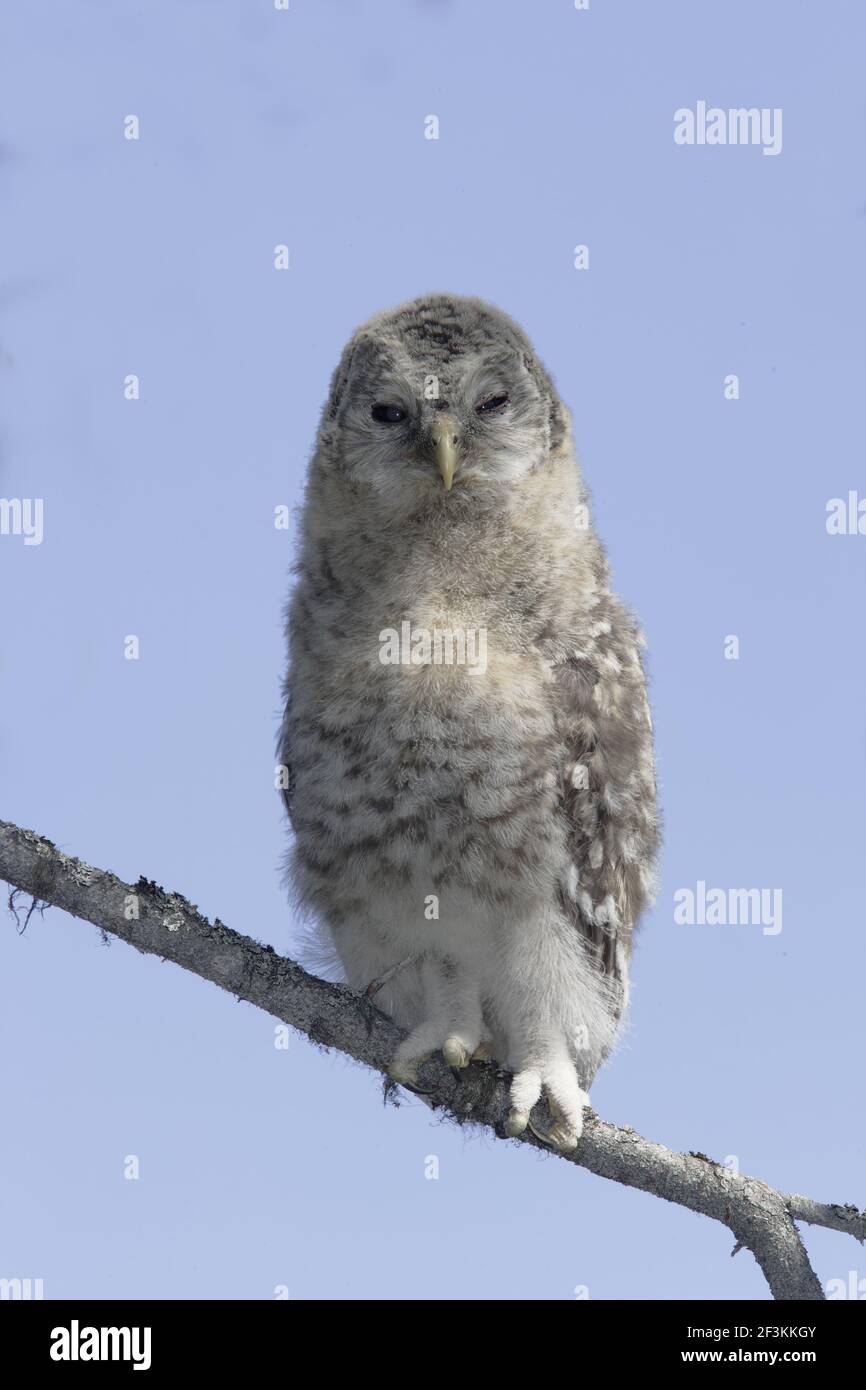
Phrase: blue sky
(261, 1167)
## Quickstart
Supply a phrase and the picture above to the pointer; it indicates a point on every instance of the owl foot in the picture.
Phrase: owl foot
(459, 1049)
(562, 1135)
(525, 1091)
(516, 1123)
(405, 1073)
(565, 1098)
(455, 1052)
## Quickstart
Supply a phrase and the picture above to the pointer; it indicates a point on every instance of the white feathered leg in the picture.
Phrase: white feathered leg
(551, 999)
(466, 1028)
(451, 1020)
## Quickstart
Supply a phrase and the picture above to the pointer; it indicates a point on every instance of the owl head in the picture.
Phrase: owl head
(438, 403)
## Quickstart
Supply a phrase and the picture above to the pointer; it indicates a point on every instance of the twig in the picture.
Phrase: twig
(165, 924)
(375, 985)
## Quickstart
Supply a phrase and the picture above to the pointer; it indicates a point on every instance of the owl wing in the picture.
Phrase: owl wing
(607, 787)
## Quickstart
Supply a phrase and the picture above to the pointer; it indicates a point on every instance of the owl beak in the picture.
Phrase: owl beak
(445, 436)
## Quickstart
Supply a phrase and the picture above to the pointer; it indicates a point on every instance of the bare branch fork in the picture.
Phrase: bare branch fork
(165, 924)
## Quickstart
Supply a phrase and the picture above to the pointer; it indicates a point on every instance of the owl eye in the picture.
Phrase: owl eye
(491, 404)
(388, 414)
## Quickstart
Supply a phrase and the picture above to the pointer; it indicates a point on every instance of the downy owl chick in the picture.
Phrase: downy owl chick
(466, 730)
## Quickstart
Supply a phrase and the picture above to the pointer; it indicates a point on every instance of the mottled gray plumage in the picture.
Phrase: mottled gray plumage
(517, 801)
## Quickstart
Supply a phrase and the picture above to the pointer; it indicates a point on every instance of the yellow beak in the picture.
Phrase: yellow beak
(445, 436)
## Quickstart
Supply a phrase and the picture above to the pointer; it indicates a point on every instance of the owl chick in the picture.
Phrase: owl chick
(466, 733)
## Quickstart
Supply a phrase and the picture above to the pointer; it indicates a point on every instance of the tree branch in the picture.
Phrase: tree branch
(165, 924)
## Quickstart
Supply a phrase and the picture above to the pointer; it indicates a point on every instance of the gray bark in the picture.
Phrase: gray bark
(152, 920)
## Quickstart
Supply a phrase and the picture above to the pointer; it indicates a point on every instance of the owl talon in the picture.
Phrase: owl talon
(516, 1123)
(455, 1052)
(406, 1074)
(566, 1121)
(560, 1136)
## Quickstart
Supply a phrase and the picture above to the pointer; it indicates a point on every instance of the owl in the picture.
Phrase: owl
(467, 742)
